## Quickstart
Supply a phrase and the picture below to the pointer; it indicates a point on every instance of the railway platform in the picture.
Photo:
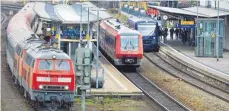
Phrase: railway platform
(186, 54)
(115, 83)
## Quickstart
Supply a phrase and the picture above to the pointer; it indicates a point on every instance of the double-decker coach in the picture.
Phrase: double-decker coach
(122, 44)
(149, 30)
(42, 73)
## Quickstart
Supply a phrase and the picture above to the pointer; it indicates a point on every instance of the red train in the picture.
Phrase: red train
(121, 44)
(42, 73)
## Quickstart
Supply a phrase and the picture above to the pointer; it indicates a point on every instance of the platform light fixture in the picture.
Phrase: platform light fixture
(97, 50)
(217, 37)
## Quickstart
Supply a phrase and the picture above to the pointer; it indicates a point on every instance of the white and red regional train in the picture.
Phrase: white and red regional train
(121, 44)
(42, 73)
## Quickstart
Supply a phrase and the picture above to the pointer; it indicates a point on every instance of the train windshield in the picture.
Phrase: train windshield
(62, 65)
(146, 29)
(46, 65)
(129, 42)
(49, 65)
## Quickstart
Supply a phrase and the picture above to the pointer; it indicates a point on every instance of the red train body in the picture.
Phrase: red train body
(42, 73)
(121, 44)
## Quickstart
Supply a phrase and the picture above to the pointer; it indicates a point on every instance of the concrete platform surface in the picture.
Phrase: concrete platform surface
(115, 82)
(222, 65)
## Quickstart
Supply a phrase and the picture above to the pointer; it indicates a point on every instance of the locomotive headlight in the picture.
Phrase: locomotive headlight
(66, 87)
(54, 56)
(41, 86)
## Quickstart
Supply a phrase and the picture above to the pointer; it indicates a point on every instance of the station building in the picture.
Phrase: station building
(61, 23)
(203, 18)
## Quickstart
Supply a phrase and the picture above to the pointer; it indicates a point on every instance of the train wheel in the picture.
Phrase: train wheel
(25, 93)
(21, 90)
(35, 105)
(15, 80)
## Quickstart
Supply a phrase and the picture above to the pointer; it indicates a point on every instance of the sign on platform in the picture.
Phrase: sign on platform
(187, 22)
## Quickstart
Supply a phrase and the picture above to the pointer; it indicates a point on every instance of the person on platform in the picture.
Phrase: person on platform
(165, 34)
(160, 33)
(171, 33)
(177, 33)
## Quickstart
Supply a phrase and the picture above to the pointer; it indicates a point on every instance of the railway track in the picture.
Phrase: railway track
(159, 62)
(151, 90)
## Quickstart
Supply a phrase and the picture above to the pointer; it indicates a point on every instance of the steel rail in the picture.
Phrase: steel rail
(187, 78)
(156, 94)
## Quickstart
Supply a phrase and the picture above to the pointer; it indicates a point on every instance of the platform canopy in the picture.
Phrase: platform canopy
(211, 12)
(69, 14)
(177, 11)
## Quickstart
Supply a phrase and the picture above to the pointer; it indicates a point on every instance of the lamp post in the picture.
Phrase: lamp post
(80, 26)
(97, 49)
(217, 37)
(88, 27)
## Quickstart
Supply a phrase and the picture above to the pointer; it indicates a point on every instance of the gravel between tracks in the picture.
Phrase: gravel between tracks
(189, 95)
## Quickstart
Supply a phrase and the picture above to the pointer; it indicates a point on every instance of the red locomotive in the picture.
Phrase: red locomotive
(42, 73)
(121, 44)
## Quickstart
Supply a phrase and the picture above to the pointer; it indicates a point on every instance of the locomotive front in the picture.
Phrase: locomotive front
(53, 78)
(129, 49)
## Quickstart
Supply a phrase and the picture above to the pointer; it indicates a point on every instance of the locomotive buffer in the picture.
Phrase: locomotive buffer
(84, 58)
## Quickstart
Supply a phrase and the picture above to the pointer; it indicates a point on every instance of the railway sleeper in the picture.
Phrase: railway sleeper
(194, 73)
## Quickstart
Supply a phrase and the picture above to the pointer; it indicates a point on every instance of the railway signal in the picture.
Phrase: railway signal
(84, 58)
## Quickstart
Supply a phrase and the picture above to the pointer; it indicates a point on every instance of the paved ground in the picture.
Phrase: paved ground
(115, 82)
(221, 65)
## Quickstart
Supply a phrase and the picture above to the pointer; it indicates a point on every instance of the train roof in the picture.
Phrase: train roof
(19, 32)
(44, 52)
(141, 19)
(120, 28)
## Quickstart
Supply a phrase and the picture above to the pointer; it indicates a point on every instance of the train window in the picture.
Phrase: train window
(146, 29)
(29, 60)
(45, 65)
(33, 63)
(25, 58)
(129, 42)
(62, 65)
(18, 50)
(21, 52)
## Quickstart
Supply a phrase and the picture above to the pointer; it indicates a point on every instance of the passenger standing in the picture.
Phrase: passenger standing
(171, 33)
(177, 33)
(181, 31)
(160, 33)
(184, 38)
(165, 33)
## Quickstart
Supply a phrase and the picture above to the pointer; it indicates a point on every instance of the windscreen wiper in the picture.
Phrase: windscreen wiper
(60, 62)
(126, 44)
(132, 45)
(151, 32)
(47, 62)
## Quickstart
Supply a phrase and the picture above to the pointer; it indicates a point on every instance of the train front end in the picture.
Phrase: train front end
(149, 31)
(129, 50)
(54, 80)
